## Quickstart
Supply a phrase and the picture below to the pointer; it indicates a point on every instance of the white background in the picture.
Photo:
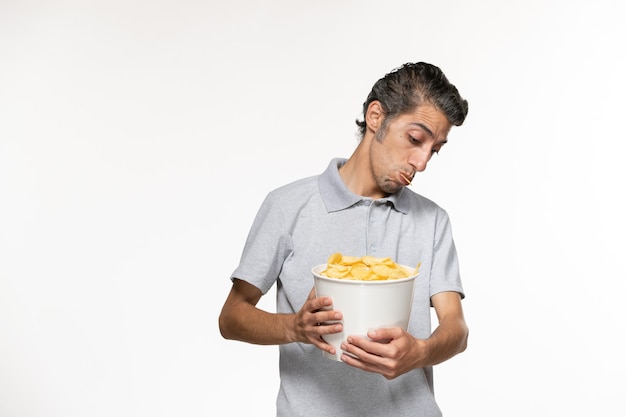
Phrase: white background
(138, 138)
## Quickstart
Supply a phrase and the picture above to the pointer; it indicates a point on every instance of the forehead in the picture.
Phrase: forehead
(428, 118)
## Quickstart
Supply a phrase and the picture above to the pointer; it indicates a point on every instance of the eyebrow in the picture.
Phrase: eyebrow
(427, 130)
(423, 126)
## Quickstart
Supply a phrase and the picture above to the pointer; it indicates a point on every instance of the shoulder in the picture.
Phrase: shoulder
(299, 187)
(418, 202)
(291, 196)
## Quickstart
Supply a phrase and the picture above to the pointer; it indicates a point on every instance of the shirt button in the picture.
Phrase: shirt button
(373, 248)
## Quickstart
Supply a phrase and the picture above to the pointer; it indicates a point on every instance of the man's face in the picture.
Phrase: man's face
(406, 146)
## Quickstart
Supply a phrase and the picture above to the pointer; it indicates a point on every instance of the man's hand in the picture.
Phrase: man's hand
(314, 320)
(389, 353)
(393, 351)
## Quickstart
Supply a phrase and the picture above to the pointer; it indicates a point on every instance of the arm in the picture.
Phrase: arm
(241, 320)
(400, 352)
(450, 337)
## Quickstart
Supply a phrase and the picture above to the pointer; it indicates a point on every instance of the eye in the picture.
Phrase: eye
(437, 148)
(414, 140)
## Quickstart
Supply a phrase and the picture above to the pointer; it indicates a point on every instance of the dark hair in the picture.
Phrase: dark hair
(412, 85)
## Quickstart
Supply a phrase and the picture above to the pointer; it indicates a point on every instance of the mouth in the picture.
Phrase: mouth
(408, 181)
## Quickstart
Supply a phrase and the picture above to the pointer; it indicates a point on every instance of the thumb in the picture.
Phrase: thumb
(383, 334)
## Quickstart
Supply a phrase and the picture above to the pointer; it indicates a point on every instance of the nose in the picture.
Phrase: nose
(420, 159)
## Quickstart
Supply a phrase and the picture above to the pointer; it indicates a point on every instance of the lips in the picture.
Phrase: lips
(406, 180)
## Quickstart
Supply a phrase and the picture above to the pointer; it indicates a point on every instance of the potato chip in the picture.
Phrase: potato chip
(360, 271)
(338, 271)
(370, 260)
(381, 270)
(335, 258)
(365, 268)
(349, 260)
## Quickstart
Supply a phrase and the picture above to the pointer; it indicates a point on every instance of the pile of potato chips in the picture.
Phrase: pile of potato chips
(366, 268)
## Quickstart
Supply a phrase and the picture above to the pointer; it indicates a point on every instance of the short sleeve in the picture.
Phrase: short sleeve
(445, 274)
(267, 246)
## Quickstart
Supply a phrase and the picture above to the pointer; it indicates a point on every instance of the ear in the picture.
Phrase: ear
(374, 115)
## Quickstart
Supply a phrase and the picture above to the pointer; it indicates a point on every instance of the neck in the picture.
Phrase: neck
(357, 173)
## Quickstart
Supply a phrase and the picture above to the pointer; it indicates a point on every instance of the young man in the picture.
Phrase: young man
(359, 206)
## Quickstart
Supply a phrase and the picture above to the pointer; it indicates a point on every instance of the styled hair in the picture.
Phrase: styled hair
(412, 85)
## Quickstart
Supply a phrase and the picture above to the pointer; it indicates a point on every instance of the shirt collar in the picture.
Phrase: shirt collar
(338, 197)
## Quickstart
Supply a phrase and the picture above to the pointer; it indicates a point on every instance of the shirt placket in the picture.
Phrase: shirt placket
(375, 226)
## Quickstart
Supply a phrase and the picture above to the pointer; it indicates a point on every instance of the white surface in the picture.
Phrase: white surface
(365, 305)
(138, 138)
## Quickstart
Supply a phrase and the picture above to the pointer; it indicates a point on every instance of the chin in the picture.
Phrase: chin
(391, 188)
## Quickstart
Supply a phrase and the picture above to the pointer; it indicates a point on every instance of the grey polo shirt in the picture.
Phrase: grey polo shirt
(299, 226)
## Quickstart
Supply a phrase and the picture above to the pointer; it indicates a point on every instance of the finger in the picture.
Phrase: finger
(354, 345)
(326, 327)
(366, 350)
(355, 356)
(322, 345)
(320, 303)
(385, 334)
(317, 332)
(325, 316)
